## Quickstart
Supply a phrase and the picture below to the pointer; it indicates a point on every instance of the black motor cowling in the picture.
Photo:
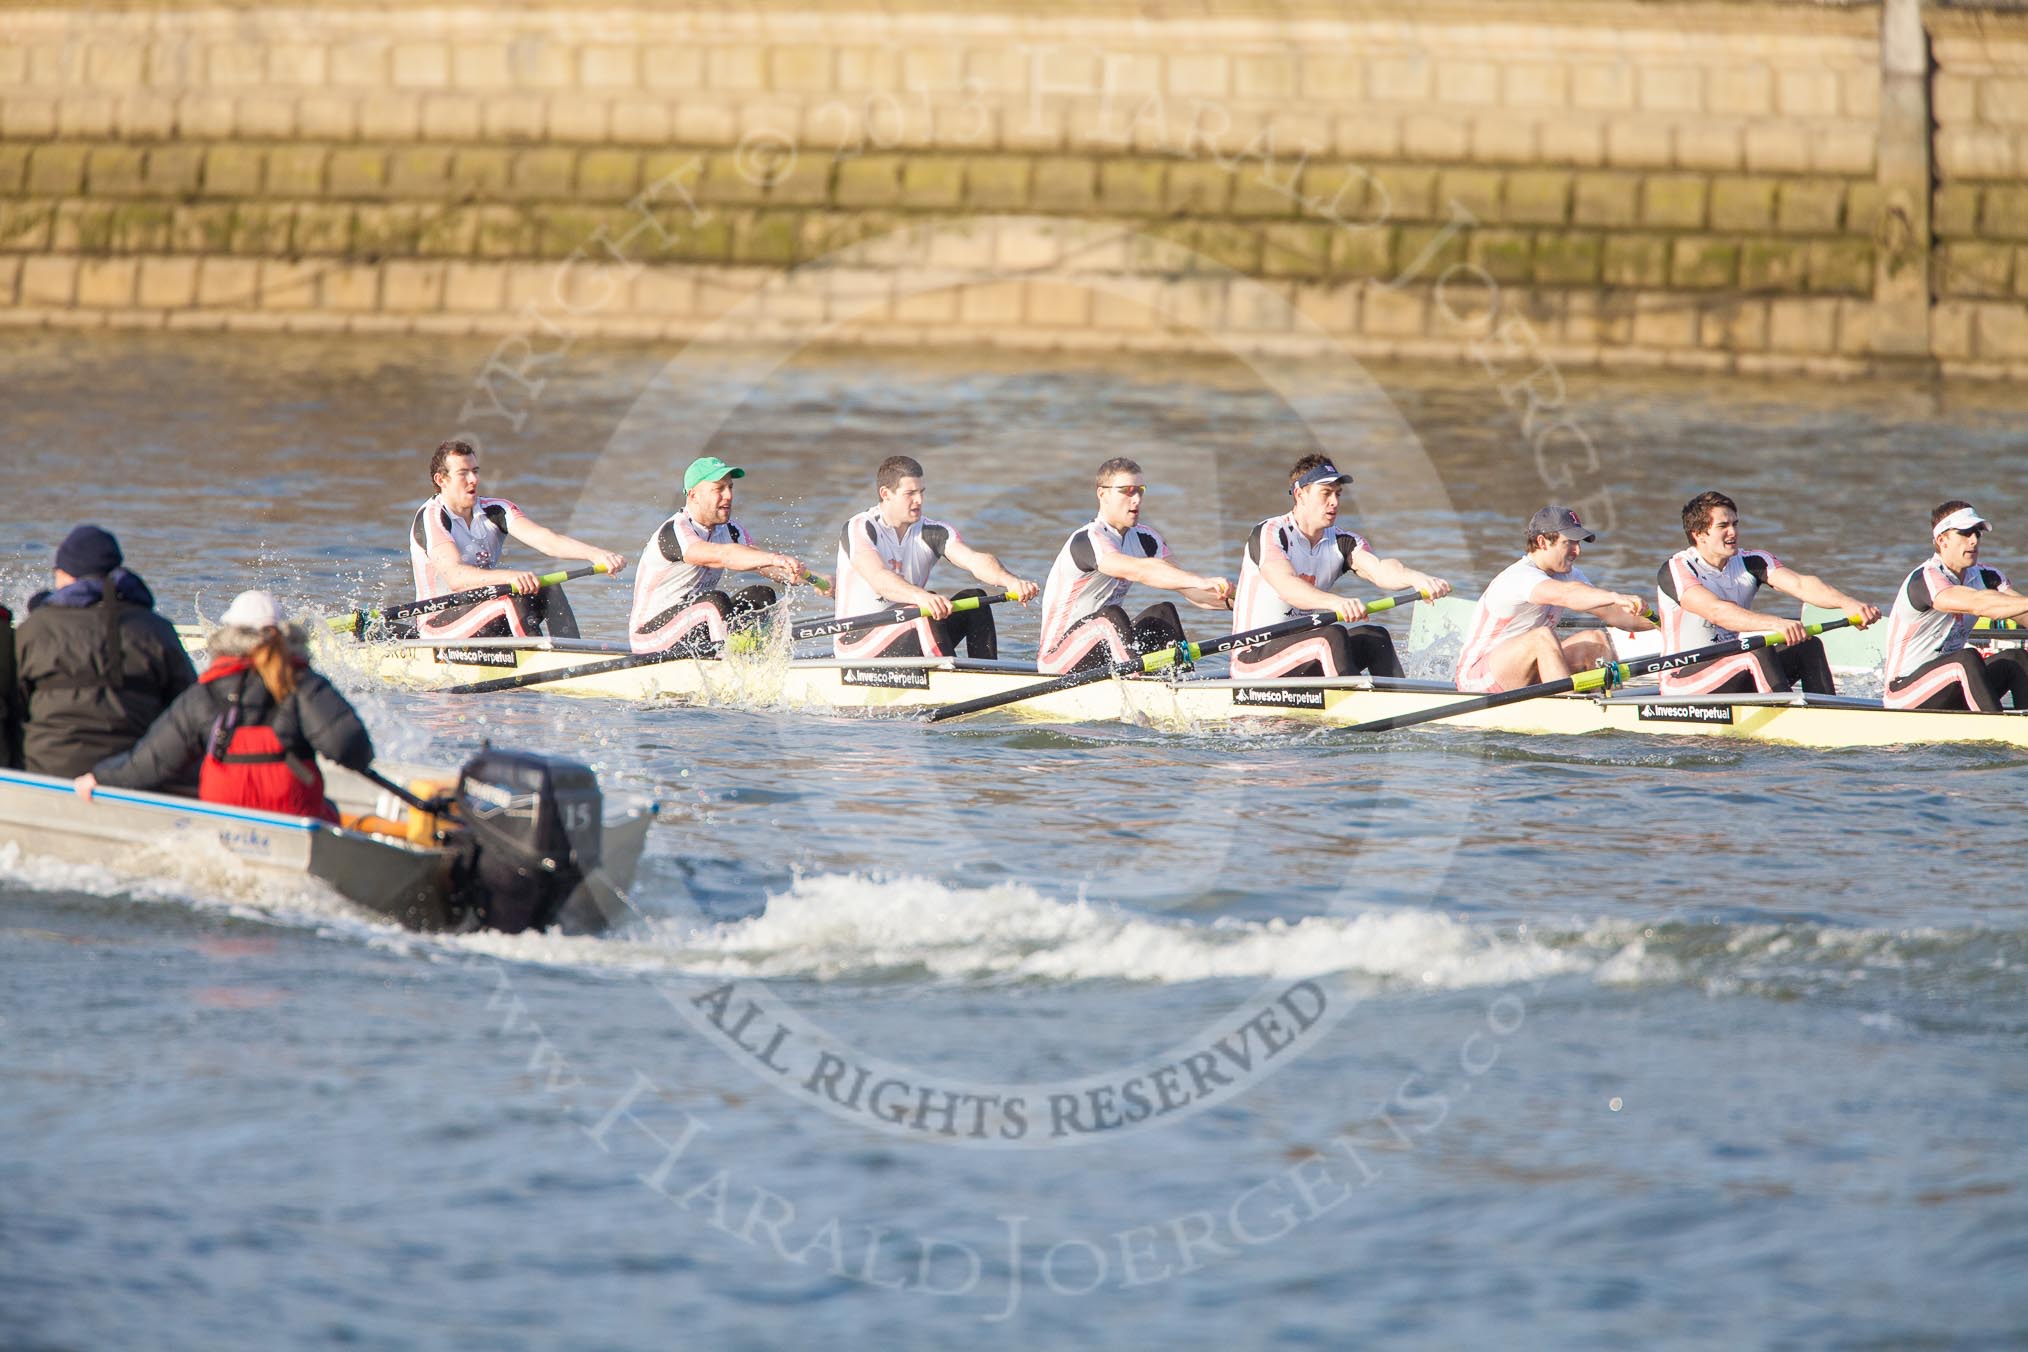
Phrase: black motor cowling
(532, 830)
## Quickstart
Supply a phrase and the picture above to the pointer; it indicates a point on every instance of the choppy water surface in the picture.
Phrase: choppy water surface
(1106, 1036)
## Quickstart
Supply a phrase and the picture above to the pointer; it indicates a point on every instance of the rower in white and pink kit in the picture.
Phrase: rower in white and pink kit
(1291, 563)
(454, 544)
(1512, 640)
(1927, 663)
(676, 591)
(1083, 623)
(885, 555)
(1706, 597)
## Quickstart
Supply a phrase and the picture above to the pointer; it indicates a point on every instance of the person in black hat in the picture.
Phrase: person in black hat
(1512, 640)
(94, 663)
(1291, 563)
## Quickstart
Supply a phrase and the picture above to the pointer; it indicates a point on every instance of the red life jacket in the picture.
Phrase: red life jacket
(245, 764)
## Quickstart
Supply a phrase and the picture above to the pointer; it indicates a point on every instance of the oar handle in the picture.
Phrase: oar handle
(431, 605)
(1611, 674)
(900, 614)
(1183, 654)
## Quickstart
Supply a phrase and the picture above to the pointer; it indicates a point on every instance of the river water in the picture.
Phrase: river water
(1004, 1036)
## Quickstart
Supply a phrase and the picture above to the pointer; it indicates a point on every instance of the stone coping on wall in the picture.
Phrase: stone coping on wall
(1006, 15)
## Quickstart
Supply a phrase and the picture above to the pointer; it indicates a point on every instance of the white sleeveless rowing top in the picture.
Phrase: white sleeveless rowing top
(1742, 577)
(1076, 589)
(479, 544)
(912, 554)
(1917, 632)
(1257, 604)
(1504, 611)
(665, 581)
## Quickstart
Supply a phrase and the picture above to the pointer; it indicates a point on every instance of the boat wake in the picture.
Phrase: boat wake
(851, 928)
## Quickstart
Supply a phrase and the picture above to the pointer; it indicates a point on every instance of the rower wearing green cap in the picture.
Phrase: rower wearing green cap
(676, 589)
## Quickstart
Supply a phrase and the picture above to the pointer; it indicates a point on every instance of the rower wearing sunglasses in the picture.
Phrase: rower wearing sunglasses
(1083, 623)
(1928, 665)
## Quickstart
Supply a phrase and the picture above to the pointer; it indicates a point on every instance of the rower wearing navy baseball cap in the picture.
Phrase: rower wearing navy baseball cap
(1290, 564)
(676, 591)
(1512, 639)
(1927, 664)
(1706, 597)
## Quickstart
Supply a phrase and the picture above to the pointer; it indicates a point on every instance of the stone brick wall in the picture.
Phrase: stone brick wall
(1693, 185)
(1980, 322)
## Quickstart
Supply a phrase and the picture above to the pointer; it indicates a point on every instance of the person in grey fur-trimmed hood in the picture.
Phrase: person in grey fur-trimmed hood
(252, 726)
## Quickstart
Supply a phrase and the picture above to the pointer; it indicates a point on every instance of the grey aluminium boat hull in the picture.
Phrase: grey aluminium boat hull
(131, 832)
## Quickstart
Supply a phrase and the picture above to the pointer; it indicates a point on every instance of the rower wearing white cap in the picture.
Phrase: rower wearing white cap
(676, 587)
(886, 554)
(1706, 597)
(1290, 564)
(455, 542)
(1927, 664)
(1512, 639)
(1083, 623)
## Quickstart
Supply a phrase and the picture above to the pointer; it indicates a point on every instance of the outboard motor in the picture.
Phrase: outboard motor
(532, 831)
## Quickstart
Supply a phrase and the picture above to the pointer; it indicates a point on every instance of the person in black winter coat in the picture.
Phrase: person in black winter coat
(251, 727)
(94, 663)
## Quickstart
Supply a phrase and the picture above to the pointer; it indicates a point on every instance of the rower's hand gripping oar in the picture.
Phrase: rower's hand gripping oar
(902, 614)
(1603, 677)
(358, 620)
(1176, 654)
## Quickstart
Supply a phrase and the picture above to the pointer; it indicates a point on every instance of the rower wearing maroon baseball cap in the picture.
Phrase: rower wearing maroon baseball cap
(1706, 597)
(1512, 640)
(1927, 663)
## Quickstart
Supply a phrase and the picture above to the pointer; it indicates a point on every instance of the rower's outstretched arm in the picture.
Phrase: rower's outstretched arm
(560, 546)
(1813, 590)
(1393, 575)
(1208, 593)
(745, 559)
(988, 569)
(1622, 610)
(1990, 605)
(1708, 605)
(1299, 593)
(455, 575)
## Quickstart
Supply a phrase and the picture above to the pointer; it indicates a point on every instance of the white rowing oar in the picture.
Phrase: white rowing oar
(1176, 654)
